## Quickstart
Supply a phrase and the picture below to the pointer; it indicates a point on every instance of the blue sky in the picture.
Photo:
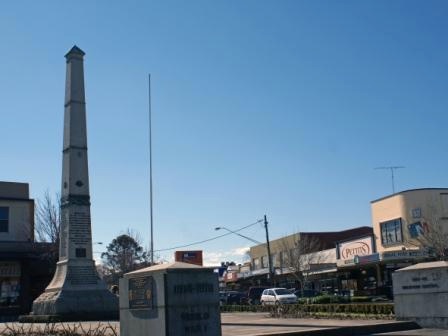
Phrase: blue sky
(281, 108)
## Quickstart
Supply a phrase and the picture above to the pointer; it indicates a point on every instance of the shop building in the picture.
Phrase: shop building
(26, 267)
(358, 261)
(318, 248)
(400, 223)
(358, 266)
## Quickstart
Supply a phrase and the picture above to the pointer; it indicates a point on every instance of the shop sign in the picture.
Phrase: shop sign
(404, 254)
(371, 258)
(9, 269)
(398, 265)
(231, 276)
(359, 247)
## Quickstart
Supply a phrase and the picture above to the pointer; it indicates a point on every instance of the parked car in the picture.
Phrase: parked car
(276, 296)
(234, 298)
(253, 295)
(222, 298)
(306, 293)
(230, 297)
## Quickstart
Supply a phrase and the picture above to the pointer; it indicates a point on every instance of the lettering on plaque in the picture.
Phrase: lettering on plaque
(82, 275)
(79, 228)
(141, 293)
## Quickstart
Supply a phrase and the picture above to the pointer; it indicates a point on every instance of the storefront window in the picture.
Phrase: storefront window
(349, 284)
(9, 292)
(9, 283)
(264, 262)
(285, 258)
(256, 263)
(275, 260)
(4, 219)
(391, 232)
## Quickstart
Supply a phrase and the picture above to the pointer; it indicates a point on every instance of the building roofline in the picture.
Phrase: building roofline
(323, 233)
(371, 235)
(16, 199)
(340, 231)
(405, 191)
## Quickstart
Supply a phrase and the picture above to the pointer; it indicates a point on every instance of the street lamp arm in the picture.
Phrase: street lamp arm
(248, 238)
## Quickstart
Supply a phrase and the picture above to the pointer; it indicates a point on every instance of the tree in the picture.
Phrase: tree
(124, 254)
(431, 234)
(47, 219)
(47, 225)
(435, 241)
(299, 252)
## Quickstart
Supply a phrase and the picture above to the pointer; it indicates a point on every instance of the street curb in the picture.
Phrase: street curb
(340, 331)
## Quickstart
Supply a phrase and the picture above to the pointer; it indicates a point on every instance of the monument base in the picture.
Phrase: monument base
(421, 294)
(74, 305)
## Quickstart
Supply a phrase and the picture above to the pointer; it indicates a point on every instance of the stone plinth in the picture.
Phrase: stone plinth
(421, 294)
(170, 300)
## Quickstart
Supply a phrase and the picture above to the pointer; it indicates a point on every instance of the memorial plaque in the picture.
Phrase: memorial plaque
(141, 293)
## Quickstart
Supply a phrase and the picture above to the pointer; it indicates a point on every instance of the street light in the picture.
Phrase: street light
(224, 228)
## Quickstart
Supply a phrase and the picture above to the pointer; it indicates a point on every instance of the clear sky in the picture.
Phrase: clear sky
(281, 108)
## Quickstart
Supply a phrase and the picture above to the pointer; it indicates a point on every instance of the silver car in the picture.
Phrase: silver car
(277, 296)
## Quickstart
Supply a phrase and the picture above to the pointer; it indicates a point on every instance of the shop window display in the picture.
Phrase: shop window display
(391, 232)
(9, 292)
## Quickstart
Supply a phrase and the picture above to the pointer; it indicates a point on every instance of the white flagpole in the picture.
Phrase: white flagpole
(150, 170)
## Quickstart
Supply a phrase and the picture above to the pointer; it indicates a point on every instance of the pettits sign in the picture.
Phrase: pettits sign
(359, 247)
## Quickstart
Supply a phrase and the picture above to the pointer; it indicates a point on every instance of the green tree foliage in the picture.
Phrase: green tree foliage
(124, 254)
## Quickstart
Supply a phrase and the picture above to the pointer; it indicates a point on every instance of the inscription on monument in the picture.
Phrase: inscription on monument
(82, 275)
(63, 240)
(80, 228)
(141, 293)
(193, 288)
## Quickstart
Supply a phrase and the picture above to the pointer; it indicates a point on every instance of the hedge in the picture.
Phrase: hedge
(334, 299)
(369, 310)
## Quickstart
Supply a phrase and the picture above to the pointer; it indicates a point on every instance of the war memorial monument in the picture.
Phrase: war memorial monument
(76, 291)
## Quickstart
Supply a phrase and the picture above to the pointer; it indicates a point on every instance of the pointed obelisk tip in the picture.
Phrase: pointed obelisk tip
(75, 51)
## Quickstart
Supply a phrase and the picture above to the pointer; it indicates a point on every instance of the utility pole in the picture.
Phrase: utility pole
(392, 168)
(271, 274)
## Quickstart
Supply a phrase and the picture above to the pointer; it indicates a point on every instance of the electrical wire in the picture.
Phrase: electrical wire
(210, 239)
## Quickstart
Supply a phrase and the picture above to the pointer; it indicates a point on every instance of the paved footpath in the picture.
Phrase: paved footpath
(260, 324)
(255, 324)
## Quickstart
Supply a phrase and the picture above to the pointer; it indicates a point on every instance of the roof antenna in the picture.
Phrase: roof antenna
(391, 168)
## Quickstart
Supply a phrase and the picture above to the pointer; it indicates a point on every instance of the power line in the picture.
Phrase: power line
(210, 239)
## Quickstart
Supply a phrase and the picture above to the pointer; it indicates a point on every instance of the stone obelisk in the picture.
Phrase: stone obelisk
(76, 291)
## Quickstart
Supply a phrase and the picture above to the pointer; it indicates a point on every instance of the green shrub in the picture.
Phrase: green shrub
(371, 310)
(328, 299)
(356, 299)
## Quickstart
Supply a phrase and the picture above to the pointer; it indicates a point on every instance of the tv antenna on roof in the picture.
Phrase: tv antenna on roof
(391, 168)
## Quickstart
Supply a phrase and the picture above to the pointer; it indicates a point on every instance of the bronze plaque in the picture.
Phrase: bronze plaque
(141, 294)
